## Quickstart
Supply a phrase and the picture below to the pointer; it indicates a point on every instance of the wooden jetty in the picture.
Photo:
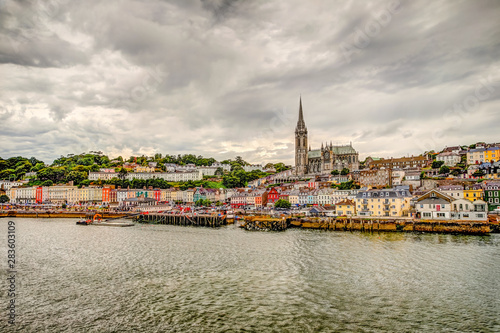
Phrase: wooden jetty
(265, 223)
(199, 220)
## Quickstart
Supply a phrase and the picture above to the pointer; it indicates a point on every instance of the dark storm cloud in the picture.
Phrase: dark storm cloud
(222, 78)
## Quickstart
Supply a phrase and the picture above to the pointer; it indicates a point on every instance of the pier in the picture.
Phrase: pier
(211, 221)
(393, 225)
(265, 223)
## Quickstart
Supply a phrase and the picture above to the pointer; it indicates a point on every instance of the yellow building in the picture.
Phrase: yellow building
(346, 207)
(393, 202)
(141, 168)
(473, 192)
(481, 155)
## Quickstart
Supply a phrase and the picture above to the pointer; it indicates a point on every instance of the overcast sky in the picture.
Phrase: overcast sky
(222, 78)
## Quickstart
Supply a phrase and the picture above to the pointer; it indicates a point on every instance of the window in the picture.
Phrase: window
(441, 214)
(421, 206)
(426, 214)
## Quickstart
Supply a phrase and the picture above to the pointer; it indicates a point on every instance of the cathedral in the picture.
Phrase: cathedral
(324, 160)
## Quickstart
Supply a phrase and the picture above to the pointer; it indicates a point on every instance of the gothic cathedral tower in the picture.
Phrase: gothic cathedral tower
(300, 144)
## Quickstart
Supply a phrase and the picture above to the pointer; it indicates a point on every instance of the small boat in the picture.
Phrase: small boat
(84, 222)
(113, 224)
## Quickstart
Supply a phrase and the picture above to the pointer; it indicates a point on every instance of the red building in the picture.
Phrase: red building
(106, 194)
(39, 195)
(157, 194)
(273, 195)
(113, 196)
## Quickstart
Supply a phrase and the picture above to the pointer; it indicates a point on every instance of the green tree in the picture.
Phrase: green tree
(85, 182)
(444, 169)
(77, 176)
(335, 172)
(346, 185)
(240, 161)
(282, 203)
(122, 173)
(48, 183)
(478, 173)
(344, 171)
(4, 198)
(280, 167)
(38, 167)
(437, 164)
(3, 164)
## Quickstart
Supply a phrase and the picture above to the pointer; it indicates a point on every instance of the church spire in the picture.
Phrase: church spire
(301, 125)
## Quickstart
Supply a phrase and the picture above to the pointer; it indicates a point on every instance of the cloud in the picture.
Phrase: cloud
(222, 78)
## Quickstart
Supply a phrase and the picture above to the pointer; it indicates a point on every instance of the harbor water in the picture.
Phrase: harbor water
(162, 278)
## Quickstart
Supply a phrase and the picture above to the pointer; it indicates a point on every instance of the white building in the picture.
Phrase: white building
(23, 195)
(225, 167)
(207, 170)
(463, 209)
(252, 167)
(434, 205)
(454, 191)
(7, 184)
(58, 194)
(102, 175)
(337, 196)
(167, 176)
(450, 159)
(397, 177)
(324, 196)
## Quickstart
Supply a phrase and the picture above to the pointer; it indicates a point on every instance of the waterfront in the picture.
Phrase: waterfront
(162, 278)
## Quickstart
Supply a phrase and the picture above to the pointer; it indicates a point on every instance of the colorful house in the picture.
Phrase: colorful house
(272, 196)
(473, 192)
(492, 194)
(346, 207)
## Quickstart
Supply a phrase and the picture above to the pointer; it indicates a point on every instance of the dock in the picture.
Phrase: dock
(199, 220)
(394, 225)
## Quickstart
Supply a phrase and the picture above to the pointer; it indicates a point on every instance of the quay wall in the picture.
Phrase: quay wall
(459, 227)
(75, 215)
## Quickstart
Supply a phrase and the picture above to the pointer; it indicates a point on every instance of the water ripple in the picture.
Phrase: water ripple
(154, 278)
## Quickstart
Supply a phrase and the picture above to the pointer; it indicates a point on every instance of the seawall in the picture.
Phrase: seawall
(370, 225)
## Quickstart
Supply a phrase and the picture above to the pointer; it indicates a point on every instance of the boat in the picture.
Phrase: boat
(84, 222)
(106, 223)
(97, 220)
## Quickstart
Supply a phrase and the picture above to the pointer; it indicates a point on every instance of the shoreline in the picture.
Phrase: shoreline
(318, 223)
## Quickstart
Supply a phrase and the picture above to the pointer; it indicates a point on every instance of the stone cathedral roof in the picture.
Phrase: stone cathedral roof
(337, 150)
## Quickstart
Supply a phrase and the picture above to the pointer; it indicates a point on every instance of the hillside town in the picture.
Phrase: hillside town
(460, 182)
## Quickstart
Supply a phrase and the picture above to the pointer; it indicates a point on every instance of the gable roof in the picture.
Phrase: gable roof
(435, 194)
(345, 202)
